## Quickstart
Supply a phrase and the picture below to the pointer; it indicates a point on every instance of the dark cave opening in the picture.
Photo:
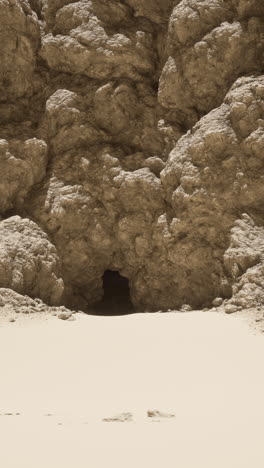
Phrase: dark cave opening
(116, 299)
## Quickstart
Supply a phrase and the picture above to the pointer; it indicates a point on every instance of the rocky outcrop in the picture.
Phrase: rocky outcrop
(210, 44)
(28, 261)
(214, 174)
(132, 138)
(80, 43)
(22, 165)
(244, 259)
(20, 39)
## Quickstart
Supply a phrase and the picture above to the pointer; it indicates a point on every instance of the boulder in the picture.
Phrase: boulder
(29, 263)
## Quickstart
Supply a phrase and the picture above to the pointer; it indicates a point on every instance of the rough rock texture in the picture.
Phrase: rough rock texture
(210, 44)
(28, 261)
(22, 165)
(214, 174)
(20, 37)
(132, 136)
(244, 259)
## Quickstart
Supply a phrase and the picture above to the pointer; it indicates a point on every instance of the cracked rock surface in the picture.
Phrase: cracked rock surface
(29, 262)
(131, 139)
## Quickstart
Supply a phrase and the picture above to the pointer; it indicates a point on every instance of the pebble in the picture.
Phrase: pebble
(218, 301)
(159, 414)
(230, 308)
(71, 319)
(12, 320)
(65, 315)
(186, 308)
(123, 417)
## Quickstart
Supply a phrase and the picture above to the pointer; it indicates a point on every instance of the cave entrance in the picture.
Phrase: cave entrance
(116, 299)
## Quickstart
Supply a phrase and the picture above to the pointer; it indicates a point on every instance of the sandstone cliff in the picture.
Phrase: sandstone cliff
(132, 139)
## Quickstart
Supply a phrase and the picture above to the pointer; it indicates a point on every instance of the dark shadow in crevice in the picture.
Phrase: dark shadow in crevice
(116, 299)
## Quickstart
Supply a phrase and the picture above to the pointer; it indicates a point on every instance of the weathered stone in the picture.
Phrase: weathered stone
(209, 179)
(28, 261)
(65, 316)
(132, 133)
(122, 417)
(159, 414)
(206, 46)
(19, 36)
(83, 44)
(186, 308)
(244, 259)
(230, 309)
(22, 165)
(217, 302)
(169, 256)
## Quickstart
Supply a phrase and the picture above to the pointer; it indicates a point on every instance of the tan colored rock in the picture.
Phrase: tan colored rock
(22, 165)
(84, 44)
(244, 259)
(159, 414)
(99, 217)
(217, 302)
(109, 11)
(65, 316)
(123, 115)
(19, 36)
(132, 132)
(122, 417)
(208, 180)
(157, 11)
(208, 48)
(247, 8)
(167, 237)
(28, 261)
(230, 309)
(8, 297)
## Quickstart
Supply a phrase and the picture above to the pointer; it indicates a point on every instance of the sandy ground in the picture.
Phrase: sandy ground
(59, 379)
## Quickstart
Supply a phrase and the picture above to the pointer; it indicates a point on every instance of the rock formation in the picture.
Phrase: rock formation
(29, 262)
(132, 140)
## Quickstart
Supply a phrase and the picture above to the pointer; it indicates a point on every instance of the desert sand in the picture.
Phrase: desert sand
(60, 379)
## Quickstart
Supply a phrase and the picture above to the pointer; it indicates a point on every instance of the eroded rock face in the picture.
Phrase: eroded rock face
(131, 133)
(244, 259)
(22, 165)
(210, 44)
(28, 261)
(19, 36)
(214, 173)
(84, 40)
